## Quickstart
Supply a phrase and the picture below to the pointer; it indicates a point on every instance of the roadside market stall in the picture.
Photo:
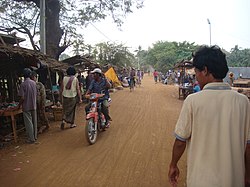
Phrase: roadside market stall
(242, 85)
(186, 70)
(82, 63)
(13, 59)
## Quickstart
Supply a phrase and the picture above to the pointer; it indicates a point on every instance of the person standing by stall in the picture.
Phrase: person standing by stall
(231, 79)
(28, 94)
(41, 100)
(69, 90)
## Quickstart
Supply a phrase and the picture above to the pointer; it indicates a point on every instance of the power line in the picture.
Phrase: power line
(101, 32)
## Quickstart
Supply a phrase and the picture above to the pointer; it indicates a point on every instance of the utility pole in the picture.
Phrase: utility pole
(42, 27)
(209, 23)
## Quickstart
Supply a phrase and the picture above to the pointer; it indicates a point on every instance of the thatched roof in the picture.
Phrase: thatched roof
(184, 64)
(10, 39)
(81, 63)
(14, 59)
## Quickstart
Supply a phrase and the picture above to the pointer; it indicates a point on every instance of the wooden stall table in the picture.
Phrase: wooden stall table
(184, 91)
(12, 114)
(244, 83)
(245, 91)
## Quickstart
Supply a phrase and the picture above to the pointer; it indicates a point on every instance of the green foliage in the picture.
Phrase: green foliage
(90, 11)
(20, 17)
(114, 54)
(15, 15)
(164, 55)
(238, 57)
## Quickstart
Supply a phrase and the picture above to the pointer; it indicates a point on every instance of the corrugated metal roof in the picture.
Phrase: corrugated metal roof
(237, 71)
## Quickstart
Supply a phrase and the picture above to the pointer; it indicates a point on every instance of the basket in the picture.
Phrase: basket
(57, 112)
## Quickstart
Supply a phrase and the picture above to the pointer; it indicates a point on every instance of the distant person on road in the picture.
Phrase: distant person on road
(132, 75)
(139, 76)
(214, 125)
(28, 94)
(155, 74)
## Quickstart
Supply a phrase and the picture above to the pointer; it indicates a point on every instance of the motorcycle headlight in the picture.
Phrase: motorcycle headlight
(92, 96)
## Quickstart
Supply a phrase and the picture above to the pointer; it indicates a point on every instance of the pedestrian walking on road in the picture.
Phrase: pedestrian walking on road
(70, 90)
(214, 125)
(155, 74)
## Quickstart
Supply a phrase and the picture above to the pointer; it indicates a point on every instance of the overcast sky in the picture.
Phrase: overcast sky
(179, 20)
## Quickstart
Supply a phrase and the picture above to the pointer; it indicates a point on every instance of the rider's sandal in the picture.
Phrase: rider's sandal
(107, 125)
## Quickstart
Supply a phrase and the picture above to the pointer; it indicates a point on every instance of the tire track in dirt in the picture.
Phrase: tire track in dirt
(135, 151)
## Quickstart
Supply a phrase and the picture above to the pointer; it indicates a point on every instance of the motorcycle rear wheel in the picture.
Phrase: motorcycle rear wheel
(90, 131)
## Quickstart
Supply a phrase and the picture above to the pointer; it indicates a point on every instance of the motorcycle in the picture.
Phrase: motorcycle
(96, 121)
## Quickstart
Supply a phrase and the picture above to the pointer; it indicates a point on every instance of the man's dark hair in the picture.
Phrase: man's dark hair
(99, 74)
(27, 72)
(33, 74)
(213, 58)
(71, 71)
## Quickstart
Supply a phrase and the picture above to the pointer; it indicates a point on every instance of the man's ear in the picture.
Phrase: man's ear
(206, 73)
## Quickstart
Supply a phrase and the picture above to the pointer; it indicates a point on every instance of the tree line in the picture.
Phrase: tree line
(63, 17)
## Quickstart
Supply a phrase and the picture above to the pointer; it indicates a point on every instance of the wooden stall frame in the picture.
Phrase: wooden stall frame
(12, 114)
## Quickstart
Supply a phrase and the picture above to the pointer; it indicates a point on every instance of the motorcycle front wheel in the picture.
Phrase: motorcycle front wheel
(91, 131)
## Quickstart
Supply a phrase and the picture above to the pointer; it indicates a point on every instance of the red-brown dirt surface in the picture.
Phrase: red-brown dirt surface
(135, 151)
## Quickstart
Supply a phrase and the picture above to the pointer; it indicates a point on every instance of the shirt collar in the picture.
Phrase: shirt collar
(217, 86)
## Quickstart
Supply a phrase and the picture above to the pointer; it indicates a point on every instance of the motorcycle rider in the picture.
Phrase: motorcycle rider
(100, 85)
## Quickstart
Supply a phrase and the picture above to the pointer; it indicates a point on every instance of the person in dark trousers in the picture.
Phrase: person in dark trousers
(100, 85)
(28, 97)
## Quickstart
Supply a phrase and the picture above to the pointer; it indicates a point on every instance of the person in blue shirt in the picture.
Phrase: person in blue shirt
(196, 87)
(100, 85)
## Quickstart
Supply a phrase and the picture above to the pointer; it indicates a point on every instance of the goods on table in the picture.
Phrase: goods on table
(8, 107)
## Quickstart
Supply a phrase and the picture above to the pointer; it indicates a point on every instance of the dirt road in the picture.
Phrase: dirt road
(134, 152)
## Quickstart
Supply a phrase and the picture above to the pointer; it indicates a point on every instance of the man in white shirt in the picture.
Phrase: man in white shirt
(214, 125)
